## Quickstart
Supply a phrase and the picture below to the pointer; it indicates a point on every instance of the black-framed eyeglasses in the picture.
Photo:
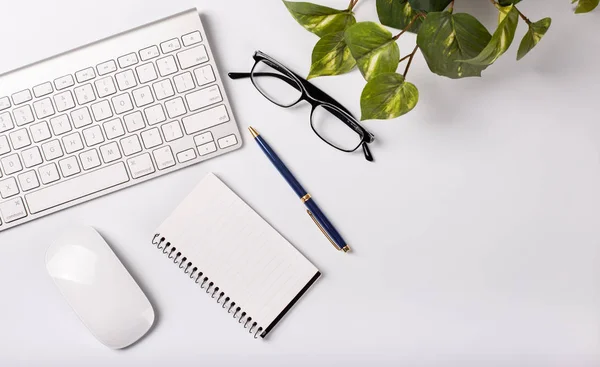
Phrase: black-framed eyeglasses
(331, 121)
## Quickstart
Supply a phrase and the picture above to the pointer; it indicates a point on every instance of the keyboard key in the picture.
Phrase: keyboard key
(204, 75)
(172, 131)
(203, 138)
(13, 210)
(6, 122)
(43, 108)
(11, 164)
(85, 75)
(81, 117)
(42, 89)
(143, 96)
(163, 89)
(72, 142)
(31, 157)
(114, 128)
(89, 159)
(131, 145)
(64, 101)
(155, 114)
(205, 119)
(4, 146)
(110, 152)
(140, 166)
(76, 188)
(186, 155)
(134, 121)
(29, 181)
(84, 94)
(105, 87)
(227, 141)
(151, 138)
(175, 107)
(149, 53)
(164, 157)
(126, 80)
(166, 65)
(106, 67)
(192, 57)
(8, 188)
(191, 38)
(49, 173)
(64, 82)
(93, 136)
(184, 82)
(69, 166)
(204, 97)
(127, 60)
(19, 139)
(21, 97)
(101, 111)
(122, 103)
(146, 73)
(23, 115)
(170, 46)
(207, 148)
(60, 124)
(52, 150)
(4, 103)
(40, 131)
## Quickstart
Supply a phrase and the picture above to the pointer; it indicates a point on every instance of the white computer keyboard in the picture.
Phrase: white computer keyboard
(110, 115)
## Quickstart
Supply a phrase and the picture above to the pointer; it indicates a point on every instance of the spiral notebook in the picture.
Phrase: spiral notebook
(235, 256)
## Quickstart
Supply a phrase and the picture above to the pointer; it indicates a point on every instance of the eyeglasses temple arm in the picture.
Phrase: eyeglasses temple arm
(285, 78)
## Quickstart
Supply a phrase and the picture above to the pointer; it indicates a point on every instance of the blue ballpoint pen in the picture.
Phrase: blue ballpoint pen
(313, 210)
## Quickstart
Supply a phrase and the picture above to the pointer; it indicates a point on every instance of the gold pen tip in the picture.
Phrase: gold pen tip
(346, 248)
(253, 131)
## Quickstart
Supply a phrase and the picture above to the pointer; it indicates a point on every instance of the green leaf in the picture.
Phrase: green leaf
(508, 2)
(445, 38)
(398, 14)
(387, 96)
(429, 5)
(331, 56)
(501, 39)
(318, 19)
(585, 6)
(535, 33)
(374, 49)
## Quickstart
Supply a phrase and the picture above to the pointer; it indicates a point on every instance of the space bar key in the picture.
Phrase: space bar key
(76, 188)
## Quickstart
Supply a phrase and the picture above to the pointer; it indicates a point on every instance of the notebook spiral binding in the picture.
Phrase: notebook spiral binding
(200, 278)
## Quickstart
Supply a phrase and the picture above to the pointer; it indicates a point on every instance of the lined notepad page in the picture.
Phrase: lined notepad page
(238, 250)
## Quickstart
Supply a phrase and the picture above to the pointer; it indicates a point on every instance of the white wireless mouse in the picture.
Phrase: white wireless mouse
(99, 288)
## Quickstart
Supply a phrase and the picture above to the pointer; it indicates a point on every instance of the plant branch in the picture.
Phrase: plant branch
(523, 16)
(451, 7)
(408, 26)
(352, 4)
(410, 59)
(404, 58)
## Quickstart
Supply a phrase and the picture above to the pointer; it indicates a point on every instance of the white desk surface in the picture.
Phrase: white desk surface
(476, 231)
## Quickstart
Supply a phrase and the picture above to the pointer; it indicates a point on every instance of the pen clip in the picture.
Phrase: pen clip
(310, 214)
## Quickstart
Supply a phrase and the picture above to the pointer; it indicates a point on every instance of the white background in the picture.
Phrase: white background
(475, 232)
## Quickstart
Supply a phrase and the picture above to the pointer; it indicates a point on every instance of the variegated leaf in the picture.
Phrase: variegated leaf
(388, 96)
(331, 56)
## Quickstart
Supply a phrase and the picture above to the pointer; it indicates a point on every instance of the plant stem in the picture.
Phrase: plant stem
(451, 7)
(352, 4)
(523, 16)
(404, 58)
(410, 59)
(518, 11)
(408, 26)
